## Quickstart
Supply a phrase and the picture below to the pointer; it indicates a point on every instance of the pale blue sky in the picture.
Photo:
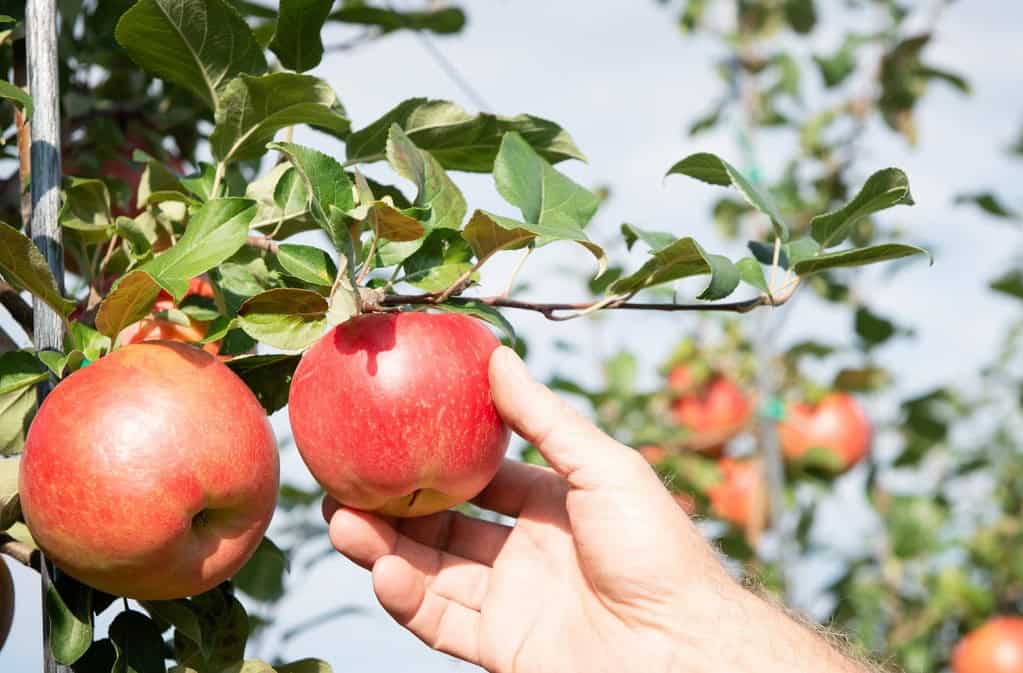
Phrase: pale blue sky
(623, 81)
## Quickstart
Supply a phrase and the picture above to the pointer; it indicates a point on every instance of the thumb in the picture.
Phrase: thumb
(576, 449)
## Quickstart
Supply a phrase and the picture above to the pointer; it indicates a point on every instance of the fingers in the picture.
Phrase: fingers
(514, 483)
(573, 446)
(366, 538)
(443, 624)
(457, 534)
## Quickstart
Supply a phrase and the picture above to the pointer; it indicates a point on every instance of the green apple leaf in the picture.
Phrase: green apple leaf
(283, 202)
(1009, 283)
(458, 140)
(23, 264)
(253, 109)
(750, 271)
(267, 376)
(307, 263)
(484, 312)
(683, 258)
(18, 96)
(19, 369)
(138, 642)
(856, 257)
(435, 189)
(296, 39)
(655, 240)
(178, 613)
(10, 503)
(262, 576)
(714, 170)
(990, 204)
(883, 189)
(215, 232)
(488, 233)
(327, 186)
(443, 21)
(17, 407)
(305, 666)
(442, 258)
(287, 318)
(225, 629)
(69, 609)
(86, 209)
(130, 299)
(172, 40)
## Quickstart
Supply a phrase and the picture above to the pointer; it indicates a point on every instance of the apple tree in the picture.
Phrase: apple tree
(184, 193)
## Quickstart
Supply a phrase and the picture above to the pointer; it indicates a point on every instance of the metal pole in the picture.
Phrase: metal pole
(41, 39)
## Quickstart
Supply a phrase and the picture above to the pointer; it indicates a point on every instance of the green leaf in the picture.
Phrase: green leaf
(139, 643)
(716, 171)
(553, 206)
(989, 203)
(442, 21)
(136, 236)
(198, 44)
(883, 189)
(872, 328)
(10, 503)
(267, 376)
(655, 240)
(283, 199)
(215, 232)
(17, 408)
(798, 250)
(19, 369)
(249, 666)
(307, 263)
(764, 253)
(442, 259)
(391, 224)
(751, 272)
(91, 343)
(305, 666)
(836, 68)
(22, 264)
(178, 613)
(225, 629)
(69, 609)
(18, 96)
(296, 39)
(484, 312)
(488, 233)
(458, 140)
(287, 318)
(682, 259)
(856, 257)
(86, 209)
(253, 109)
(130, 299)
(435, 189)
(101, 656)
(327, 186)
(1010, 283)
(262, 576)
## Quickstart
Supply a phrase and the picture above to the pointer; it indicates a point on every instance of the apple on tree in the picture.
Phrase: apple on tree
(833, 434)
(994, 647)
(713, 409)
(151, 473)
(392, 412)
(156, 328)
(740, 497)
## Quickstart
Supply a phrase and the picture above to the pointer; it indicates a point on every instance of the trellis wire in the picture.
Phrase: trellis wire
(41, 41)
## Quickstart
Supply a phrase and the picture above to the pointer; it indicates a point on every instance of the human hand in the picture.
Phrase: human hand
(602, 570)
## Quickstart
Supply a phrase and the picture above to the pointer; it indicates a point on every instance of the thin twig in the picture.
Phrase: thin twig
(262, 242)
(368, 264)
(515, 272)
(24, 554)
(19, 309)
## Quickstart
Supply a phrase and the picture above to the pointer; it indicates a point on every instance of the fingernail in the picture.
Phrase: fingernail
(512, 364)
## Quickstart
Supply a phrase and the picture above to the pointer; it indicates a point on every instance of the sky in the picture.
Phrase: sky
(623, 81)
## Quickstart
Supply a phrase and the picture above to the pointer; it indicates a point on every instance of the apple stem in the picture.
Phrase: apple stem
(415, 494)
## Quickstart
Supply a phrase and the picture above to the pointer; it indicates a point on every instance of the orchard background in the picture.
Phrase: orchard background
(628, 86)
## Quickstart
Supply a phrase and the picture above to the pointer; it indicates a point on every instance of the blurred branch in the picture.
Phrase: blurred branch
(23, 553)
(19, 309)
(262, 242)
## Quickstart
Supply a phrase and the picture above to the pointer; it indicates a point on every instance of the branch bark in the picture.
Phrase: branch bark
(19, 309)
(24, 554)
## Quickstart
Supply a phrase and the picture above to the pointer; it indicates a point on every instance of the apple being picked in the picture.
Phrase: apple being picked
(833, 434)
(392, 412)
(151, 473)
(994, 647)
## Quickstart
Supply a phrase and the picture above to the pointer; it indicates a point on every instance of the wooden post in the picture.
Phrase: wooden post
(41, 38)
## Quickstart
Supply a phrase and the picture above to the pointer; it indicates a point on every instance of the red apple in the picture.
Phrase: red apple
(152, 473)
(740, 496)
(713, 413)
(995, 647)
(6, 602)
(392, 412)
(834, 433)
(653, 454)
(158, 329)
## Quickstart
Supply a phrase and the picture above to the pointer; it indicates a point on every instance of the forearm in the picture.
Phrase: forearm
(744, 633)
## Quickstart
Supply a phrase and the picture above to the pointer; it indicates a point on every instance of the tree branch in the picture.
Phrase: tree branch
(19, 309)
(19, 551)
(262, 242)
